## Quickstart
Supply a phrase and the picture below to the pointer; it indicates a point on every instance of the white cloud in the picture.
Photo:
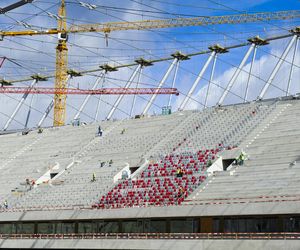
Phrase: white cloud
(263, 66)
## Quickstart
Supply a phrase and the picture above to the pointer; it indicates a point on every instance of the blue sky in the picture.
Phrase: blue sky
(37, 54)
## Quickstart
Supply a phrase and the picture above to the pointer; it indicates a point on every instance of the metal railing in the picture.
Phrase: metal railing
(155, 236)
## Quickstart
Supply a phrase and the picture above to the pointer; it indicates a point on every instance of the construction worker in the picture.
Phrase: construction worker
(241, 158)
(181, 191)
(179, 172)
(209, 163)
(94, 177)
(5, 204)
(123, 131)
(100, 132)
(27, 184)
(124, 175)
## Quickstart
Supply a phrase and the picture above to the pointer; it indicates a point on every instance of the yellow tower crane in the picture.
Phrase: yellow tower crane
(61, 76)
(62, 31)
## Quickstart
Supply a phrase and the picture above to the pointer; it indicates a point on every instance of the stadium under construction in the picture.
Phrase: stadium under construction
(152, 151)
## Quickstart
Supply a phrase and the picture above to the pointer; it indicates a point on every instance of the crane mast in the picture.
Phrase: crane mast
(61, 76)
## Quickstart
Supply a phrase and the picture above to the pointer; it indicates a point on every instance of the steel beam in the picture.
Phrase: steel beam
(236, 74)
(120, 98)
(24, 97)
(250, 73)
(150, 102)
(292, 67)
(46, 113)
(97, 108)
(277, 67)
(134, 97)
(29, 112)
(191, 91)
(174, 80)
(87, 98)
(100, 97)
(210, 79)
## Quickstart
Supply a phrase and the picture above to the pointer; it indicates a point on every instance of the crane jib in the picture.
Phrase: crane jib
(165, 23)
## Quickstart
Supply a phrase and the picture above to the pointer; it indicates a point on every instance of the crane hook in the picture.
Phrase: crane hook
(106, 38)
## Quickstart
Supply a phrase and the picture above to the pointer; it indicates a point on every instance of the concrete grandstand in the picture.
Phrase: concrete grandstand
(215, 198)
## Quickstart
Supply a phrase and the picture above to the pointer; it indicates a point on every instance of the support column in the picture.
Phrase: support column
(29, 112)
(236, 74)
(195, 84)
(107, 68)
(87, 98)
(21, 102)
(292, 67)
(250, 73)
(277, 67)
(258, 42)
(46, 113)
(98, 104)
(173, 83)
(144, 63)
(134, 97)
(210, 79)
(120, 98)
(153, 97)
(178, 56)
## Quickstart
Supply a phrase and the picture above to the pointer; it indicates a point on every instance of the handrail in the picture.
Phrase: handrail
(154, 236)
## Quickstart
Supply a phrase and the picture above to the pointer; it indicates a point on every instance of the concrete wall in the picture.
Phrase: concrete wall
(152, 244)
(288, 207)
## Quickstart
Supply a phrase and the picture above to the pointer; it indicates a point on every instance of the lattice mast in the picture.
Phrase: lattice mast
(61, 76)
